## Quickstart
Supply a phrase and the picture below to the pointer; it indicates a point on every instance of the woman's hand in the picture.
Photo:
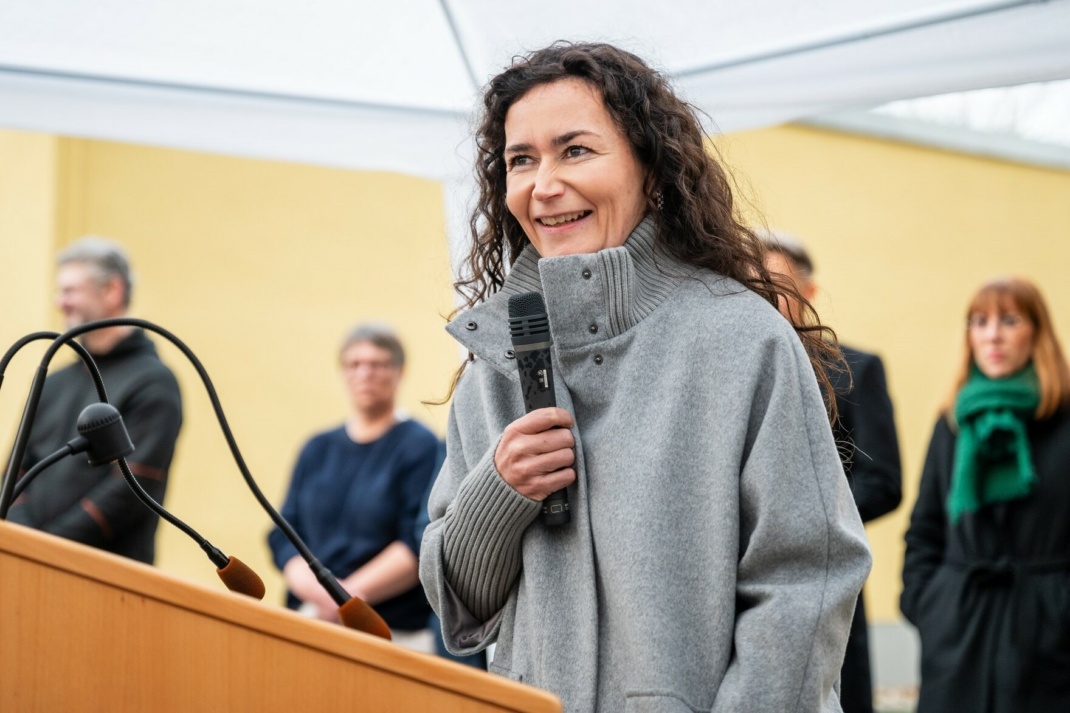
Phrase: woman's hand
(535, 454)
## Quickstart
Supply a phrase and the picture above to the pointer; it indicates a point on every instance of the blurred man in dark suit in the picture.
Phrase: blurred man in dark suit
(866, 437)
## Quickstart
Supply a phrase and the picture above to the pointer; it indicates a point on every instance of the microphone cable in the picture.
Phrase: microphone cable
(235, 574)
(354, 612)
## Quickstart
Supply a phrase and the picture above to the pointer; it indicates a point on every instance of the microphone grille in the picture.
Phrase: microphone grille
(526, 305)
(96, 416)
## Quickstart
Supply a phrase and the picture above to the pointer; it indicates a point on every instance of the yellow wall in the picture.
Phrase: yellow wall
(901, 237)
(28, 176)
(261, 266)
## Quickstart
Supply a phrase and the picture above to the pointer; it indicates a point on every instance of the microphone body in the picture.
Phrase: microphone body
(529, 329)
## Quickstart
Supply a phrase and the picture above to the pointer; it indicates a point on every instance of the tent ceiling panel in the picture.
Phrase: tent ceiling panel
(390, 85)
(398, 54)
(1002, 48)
(686, 36)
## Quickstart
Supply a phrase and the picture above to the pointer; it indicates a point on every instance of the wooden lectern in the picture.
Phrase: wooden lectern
(84, 630)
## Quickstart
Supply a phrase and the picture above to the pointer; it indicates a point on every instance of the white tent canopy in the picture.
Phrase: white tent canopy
(391, 86)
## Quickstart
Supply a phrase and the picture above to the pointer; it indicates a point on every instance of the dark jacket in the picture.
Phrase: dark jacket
(94, 505)
(990, 595)
(865, 435)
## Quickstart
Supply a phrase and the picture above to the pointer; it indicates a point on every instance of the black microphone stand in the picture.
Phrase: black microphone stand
(7, 488)
(222, 562)
(356, 616)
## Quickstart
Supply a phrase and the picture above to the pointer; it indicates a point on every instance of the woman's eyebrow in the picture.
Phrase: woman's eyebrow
(556, 141)
(567, 137)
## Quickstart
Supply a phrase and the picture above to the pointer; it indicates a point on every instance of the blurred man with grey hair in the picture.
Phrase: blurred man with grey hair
(94, 505)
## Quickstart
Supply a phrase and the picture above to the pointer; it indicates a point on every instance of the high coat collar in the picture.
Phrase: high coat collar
(589, 298)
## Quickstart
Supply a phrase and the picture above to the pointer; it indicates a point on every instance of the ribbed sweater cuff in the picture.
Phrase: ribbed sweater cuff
(482, 532)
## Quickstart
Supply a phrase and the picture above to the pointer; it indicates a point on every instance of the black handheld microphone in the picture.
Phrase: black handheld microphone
(529, 328)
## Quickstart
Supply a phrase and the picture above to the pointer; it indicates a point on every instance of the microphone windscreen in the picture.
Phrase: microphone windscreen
(240, 578)
(357, 614)
(102, 426)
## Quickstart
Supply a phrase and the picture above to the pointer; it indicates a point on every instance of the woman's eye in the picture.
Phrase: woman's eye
(576, 151)
(518, 160)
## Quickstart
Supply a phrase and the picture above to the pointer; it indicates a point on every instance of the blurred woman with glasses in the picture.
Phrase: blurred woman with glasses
(356, 491)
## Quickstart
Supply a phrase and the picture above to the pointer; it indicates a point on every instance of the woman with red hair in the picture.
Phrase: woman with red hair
(986, 579)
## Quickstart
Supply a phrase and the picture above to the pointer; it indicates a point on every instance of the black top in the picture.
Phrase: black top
(92, 505)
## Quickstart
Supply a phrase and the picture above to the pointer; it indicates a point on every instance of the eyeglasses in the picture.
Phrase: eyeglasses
(1007, 320)
(372, 365)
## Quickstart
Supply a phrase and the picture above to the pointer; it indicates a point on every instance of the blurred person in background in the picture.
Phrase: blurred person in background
(867, 441)
(87, 504)
(356, 492)
(986, 577)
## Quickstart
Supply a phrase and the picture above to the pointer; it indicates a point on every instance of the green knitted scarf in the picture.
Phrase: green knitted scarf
(992, 458)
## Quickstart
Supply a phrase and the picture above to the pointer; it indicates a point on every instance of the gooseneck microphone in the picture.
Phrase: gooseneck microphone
(7, 488)
(354, 612)
(102, 435)
(529, 328)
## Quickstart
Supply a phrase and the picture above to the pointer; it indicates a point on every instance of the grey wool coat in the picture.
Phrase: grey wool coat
(715, 554)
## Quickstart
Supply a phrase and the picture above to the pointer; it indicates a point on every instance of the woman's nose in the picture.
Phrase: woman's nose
(547, 183)
(992, 331)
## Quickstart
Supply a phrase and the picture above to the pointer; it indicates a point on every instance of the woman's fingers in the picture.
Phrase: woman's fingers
(541, 420)
(535, 454)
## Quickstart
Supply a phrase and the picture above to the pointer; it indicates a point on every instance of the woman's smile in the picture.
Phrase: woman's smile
(561, 220)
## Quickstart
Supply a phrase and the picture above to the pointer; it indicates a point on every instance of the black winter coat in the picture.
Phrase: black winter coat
(990, 595)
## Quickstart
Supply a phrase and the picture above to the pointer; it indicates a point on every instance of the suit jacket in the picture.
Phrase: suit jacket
(865, 435)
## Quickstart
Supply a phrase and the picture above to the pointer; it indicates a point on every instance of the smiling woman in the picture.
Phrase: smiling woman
(709, 512)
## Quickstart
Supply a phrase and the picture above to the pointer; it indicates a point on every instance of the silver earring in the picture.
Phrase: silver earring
(659, 200)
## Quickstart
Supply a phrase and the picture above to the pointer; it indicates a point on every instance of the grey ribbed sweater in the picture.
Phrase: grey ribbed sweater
(715, 553)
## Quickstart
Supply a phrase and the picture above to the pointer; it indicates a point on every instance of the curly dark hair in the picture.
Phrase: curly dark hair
(696, 222)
